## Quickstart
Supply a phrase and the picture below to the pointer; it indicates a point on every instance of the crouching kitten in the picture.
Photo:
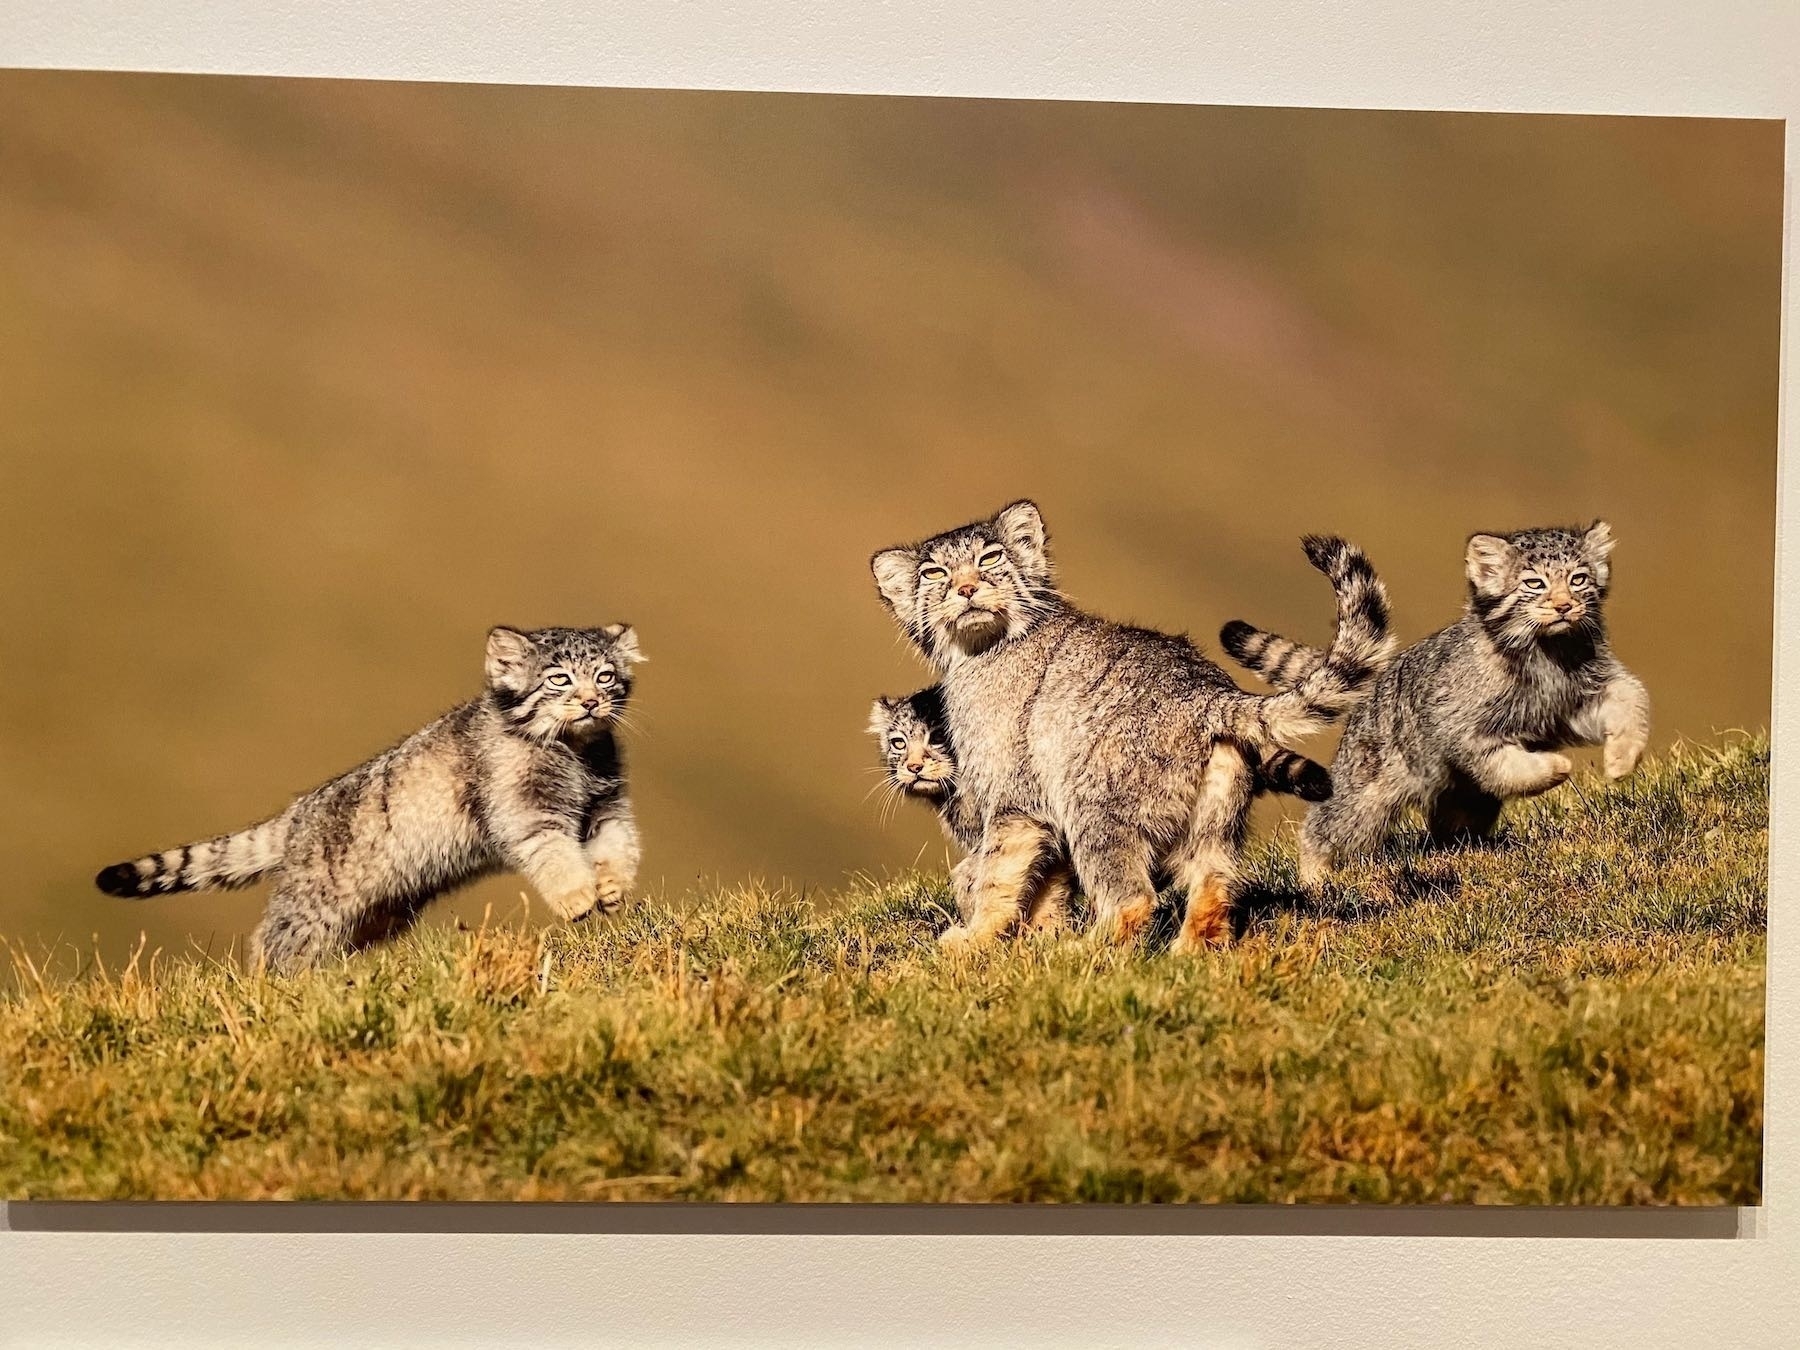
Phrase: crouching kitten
(915, 747)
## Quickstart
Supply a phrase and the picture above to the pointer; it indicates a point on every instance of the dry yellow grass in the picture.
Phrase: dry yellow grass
(1574, 1017)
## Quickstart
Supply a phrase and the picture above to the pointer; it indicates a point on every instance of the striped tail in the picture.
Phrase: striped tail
(1317, 687)
(228, 861)
(1276, 659)
(1286, 771)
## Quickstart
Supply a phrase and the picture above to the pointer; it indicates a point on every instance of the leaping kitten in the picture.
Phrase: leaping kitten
(1477, 712)
(527, 778)
(921, 763)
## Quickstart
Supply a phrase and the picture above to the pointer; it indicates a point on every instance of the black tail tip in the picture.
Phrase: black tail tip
(1313, 783)
(1325, 551)
(119, 879)
(1235, 636)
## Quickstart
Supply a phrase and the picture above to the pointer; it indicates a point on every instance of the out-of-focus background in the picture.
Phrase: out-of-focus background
(305, 384)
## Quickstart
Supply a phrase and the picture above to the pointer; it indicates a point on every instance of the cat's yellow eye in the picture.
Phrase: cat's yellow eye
(992, 558)
(559, 680)
(932, 572)
(1534, 583)
(1579, 579)
(897, 742)
(605, 678)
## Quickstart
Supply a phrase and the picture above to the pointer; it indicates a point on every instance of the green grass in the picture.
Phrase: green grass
(1575, 1016)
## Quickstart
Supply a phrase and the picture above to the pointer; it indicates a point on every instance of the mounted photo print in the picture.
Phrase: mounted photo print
(597, 644)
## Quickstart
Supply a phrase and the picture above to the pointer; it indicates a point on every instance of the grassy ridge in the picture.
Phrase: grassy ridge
(1575, 1016)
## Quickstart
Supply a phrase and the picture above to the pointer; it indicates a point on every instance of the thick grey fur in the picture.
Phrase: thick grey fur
(1478, 712)
(528, 778)
(920, 761)
(1124, 745)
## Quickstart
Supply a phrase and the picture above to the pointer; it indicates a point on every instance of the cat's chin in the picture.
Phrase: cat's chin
(584, 728)
(975, 630)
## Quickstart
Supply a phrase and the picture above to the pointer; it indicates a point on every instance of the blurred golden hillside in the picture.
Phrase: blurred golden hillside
(308, 383)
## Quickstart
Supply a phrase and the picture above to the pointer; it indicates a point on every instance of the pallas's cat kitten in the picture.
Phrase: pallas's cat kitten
(1478, 712)
(1125, 745)
(921, 763)
(916, 749)
(526, 778)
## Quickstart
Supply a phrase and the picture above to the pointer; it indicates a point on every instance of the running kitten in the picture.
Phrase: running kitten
(920, 763)
(1127, 743)
(528, 777)
(1476, 713)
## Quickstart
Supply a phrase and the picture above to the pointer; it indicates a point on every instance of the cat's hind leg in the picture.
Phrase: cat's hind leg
(1052, 908)
(305, 922)
(1205, 863)
(1112, 861)
(1462, 813)
(1357, 818)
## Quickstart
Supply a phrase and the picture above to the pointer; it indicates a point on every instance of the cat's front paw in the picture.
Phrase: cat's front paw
(1622, 755)
(1557, 769)
(572, 905)
(959, 937)
(610, 889)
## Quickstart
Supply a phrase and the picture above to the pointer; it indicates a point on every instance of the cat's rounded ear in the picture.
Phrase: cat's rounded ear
(1598, 541)
(509, 657)
(896, 572)
(1486, 561)
(880, 712)
(623, 638)
(1021, 529)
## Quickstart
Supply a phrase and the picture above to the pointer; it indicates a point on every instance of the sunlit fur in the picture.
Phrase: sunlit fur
(962, 591)
(916, 751)
(920, 763)
(1477, 712)
(528, 777)
(560, 683)
(1125, 746)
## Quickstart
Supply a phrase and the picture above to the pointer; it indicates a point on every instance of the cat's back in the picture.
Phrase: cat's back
(1118, 672)
(1457, 680)
(433, 748)
(1116, 692)
(414, 800)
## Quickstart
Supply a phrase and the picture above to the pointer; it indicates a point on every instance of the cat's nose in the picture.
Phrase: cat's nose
(590, 703)
(1562, 606)
(914, 765)
(967, 589)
